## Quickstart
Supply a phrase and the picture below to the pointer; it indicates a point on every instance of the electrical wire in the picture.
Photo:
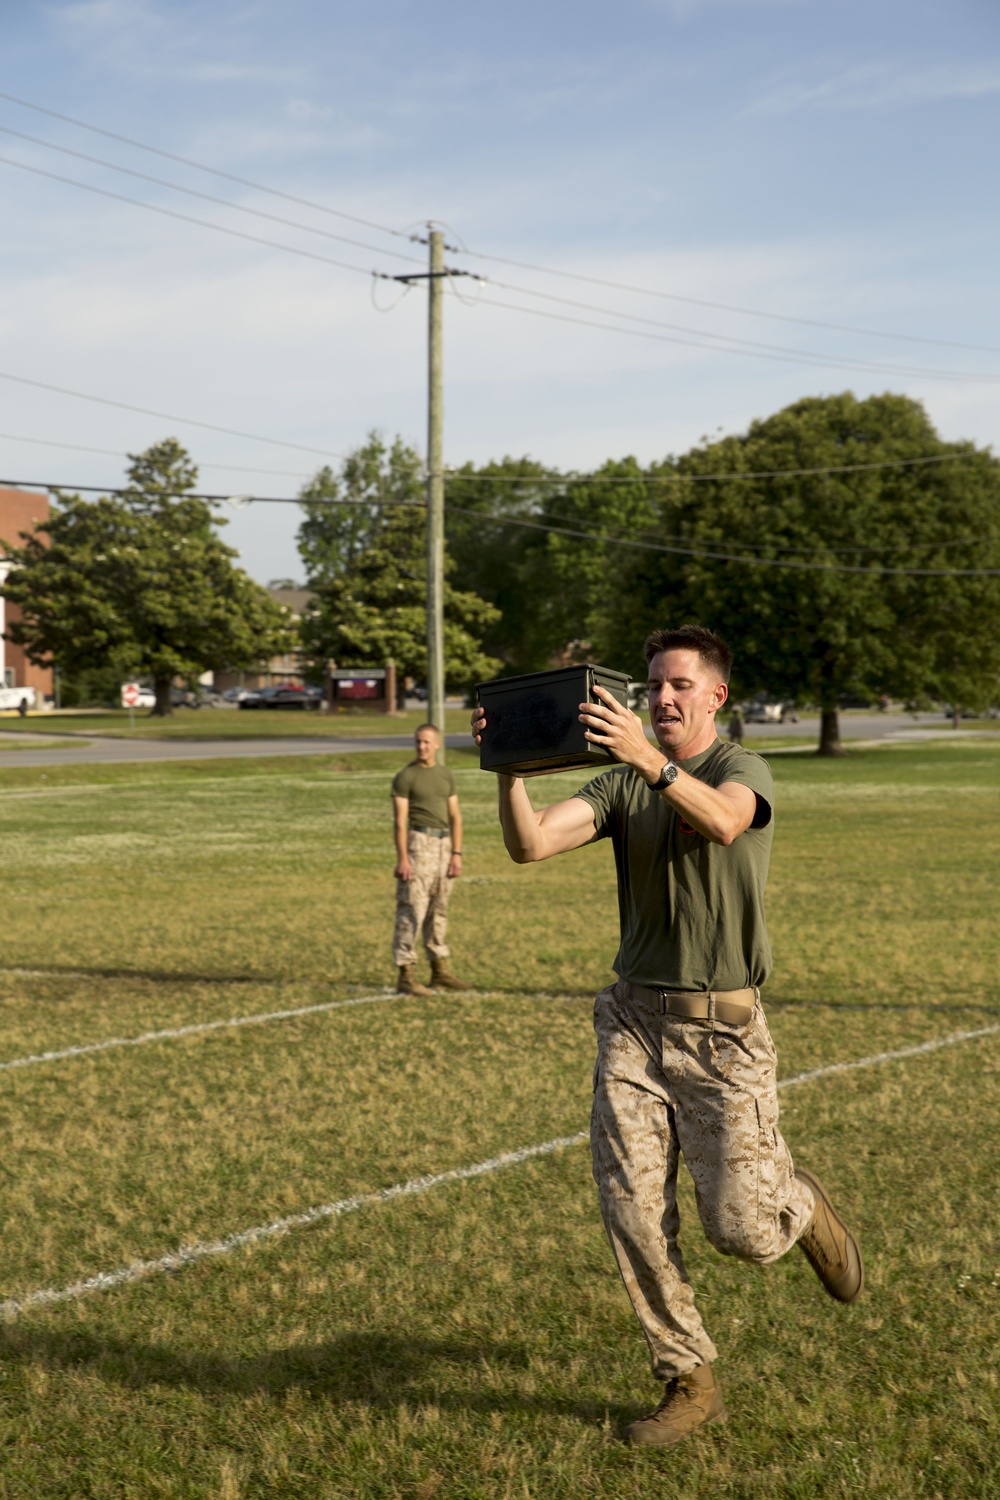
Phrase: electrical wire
(696, 338)
(729, 307)
(11, 437)
(145, 411)
(607, 538)
(765, 546)
(759, 562)
(728, 343)
(130, 489)
(658, 478)
(576, 276)
(801, 359)
(176, 187)
(173, 213)
(198, 166)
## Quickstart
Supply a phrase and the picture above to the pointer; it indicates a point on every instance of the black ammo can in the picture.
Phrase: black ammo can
(533, 722)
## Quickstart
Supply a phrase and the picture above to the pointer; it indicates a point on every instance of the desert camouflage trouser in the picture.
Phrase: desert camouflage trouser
(664, 1087)
(422, 901)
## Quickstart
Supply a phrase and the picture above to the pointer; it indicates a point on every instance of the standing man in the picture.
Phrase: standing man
(428, 829)
(685, 1062)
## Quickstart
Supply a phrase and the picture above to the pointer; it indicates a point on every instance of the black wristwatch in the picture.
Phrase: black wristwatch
(667, 777)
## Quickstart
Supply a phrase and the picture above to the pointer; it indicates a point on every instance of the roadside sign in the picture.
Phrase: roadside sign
(130, 694)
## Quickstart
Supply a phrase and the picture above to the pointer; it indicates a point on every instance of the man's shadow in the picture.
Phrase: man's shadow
(380, 1370)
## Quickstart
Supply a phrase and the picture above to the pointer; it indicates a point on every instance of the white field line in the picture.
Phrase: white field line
(198, 1028)
(187, 1255)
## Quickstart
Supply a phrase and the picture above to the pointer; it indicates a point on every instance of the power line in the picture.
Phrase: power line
(759, 562)
(801, 359)
(747, 312)
(223, 499)
(607, 283)
(607, 538)
(765, 546)
(657, 478)
(697, 338)
(729, 343)
(198, 166)
(176, 187)
(12, 437)
(145, 411)
(173, 213)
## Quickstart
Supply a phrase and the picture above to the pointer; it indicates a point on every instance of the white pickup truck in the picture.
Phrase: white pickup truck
(12, 697)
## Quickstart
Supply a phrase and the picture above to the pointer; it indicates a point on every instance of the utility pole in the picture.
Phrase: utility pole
(435, 276)
(435, 484)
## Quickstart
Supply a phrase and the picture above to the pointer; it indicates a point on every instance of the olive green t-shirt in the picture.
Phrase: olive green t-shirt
(427, 788)
(691, 912)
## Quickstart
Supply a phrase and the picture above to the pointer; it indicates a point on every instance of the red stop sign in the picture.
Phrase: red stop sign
(130, 694)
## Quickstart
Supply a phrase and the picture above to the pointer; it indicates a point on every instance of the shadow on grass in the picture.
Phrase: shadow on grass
(154, 976)
(380, 1370)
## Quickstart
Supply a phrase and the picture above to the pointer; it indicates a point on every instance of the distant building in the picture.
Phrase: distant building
(20, 510)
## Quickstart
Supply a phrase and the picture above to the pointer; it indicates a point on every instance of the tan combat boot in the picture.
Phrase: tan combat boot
(830, 1247)
(407, 985)
(442, 977)
(689, 1402)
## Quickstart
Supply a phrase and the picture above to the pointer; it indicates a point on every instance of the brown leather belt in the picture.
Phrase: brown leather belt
(732, 1007)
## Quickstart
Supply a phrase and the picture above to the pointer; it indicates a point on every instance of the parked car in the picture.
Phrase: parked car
(13, 697)
(284, 695)
(762, 710)
(236, 694)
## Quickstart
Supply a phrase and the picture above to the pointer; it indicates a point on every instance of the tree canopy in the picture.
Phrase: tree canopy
(141, 583)
(830, 544)
(837, 583)
(363, 541)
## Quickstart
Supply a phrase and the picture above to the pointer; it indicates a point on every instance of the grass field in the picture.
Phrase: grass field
(467, 1337)
(227, 723)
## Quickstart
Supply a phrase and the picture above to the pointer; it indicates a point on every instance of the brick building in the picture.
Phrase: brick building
(20, 510)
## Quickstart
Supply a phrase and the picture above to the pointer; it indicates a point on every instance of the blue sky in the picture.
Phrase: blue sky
(816, 162)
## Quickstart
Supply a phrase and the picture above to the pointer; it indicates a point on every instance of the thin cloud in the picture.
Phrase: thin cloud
(881, 86)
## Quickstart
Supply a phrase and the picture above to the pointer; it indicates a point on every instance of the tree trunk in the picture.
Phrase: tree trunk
(829, 733)
(163, 706)
(956, 719)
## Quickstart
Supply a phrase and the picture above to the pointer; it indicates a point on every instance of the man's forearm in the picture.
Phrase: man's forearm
(710, 810)
(522, 835)
(401, 835)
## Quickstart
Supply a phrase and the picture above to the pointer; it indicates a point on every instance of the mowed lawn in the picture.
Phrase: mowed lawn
(467, 1337)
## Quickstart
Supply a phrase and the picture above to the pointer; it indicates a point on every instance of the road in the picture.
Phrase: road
(39, 750)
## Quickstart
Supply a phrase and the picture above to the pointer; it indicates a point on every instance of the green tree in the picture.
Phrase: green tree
(541, 546)
(141, 583)
(497, 539)
(815, 578)
(369, 577)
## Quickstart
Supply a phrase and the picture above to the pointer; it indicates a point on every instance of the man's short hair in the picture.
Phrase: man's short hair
(710, 647)
(432, 727)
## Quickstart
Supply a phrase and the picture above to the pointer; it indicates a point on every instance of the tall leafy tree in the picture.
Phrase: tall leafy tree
(141, 583)
(818, 578)
(497, 538)
(368, 572)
